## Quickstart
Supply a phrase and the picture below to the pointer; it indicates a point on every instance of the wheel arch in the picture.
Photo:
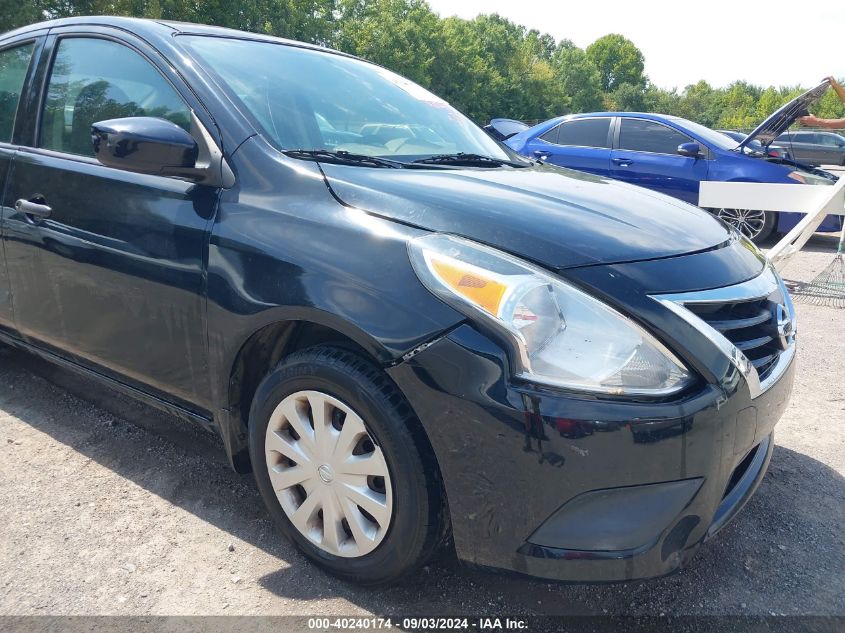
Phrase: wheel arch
(264, 349)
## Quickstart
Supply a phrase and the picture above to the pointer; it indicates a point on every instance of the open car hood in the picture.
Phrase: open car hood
(785, 116)
(503, 129)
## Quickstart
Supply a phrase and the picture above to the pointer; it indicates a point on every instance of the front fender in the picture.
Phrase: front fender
(283, 248)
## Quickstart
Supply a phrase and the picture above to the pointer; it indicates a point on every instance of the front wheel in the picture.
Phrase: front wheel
(754, 224)
(343, 468)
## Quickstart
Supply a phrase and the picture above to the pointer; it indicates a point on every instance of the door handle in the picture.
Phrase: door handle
(622, 162)
(541, 155)
(33, 209)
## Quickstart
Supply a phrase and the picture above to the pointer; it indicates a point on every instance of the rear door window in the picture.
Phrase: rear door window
(14, 62)
(641, 135)
(830, 140)
(583, 133)
(96, 80)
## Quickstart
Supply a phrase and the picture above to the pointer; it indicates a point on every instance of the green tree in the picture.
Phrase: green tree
(309, 20)
(578, 78)
(466, 74)
(830, 106)
(398, 34)
(515, 64)
(627, 98)
(699, 102)
(663, 101)
(618, 61)
(14, 14)
(738, 106)
(768, 101)
(488, 66)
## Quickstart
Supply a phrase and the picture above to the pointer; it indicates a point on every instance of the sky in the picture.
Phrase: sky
(767, 43)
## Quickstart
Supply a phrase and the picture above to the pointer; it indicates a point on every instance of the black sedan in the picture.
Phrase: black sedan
(412, 336)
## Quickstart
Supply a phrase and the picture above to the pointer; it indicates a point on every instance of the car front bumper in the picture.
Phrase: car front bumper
(576, 488)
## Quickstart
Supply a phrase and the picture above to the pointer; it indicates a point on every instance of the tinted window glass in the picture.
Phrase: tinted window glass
(831, 140)
(95, 80)
(551, 135)
(705, 133)
(648, 136)
(584, 132)
(13, 66)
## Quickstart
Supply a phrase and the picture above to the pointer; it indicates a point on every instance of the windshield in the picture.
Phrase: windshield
(306, 99)
(722, 141)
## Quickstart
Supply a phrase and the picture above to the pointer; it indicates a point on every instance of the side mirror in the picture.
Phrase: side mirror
(692, 150)
(145, 145)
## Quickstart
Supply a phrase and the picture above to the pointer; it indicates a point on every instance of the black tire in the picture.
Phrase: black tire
(768, 226)
(419, 524)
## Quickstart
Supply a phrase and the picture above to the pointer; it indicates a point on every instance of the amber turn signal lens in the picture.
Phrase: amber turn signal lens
(483, 291)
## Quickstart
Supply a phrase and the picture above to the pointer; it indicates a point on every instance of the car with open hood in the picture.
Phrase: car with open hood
(673, 156)
(755, 145)
(813, 147)
(413, 337)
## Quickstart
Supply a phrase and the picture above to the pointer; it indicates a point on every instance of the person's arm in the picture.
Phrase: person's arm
(814, 121)
(830, 124)
(840, 91)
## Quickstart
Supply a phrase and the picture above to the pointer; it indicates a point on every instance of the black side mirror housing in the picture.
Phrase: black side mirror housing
(692, 150)
(145, 145)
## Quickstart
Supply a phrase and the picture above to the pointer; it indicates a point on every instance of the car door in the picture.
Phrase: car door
(15, 59)
(804, 148)
(646, 154)
(830, 148)
(582, 144)
(811, 148)
(106, 266)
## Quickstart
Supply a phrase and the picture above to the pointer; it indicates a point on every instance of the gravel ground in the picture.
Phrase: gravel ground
(108, 507)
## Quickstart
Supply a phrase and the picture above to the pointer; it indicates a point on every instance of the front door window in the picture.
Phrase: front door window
(96, 80)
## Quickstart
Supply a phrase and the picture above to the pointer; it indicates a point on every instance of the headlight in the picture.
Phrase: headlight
(561, 336)
(807, 178)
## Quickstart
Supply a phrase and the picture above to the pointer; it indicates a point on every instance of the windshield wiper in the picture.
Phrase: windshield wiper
(463, 158)
(343, 158)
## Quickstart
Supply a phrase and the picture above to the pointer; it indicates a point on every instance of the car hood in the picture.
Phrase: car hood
(552, 216)
(785, 116)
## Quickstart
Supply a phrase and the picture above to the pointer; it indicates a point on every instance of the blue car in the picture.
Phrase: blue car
(673, 156)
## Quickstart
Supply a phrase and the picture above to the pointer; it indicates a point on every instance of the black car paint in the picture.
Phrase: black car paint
(462, 381)
(164, 293)
(511, 468)
(580, 223)
(145, 145)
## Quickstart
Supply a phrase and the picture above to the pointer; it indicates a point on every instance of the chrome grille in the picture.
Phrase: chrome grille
(752, 326)
(752, 323)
